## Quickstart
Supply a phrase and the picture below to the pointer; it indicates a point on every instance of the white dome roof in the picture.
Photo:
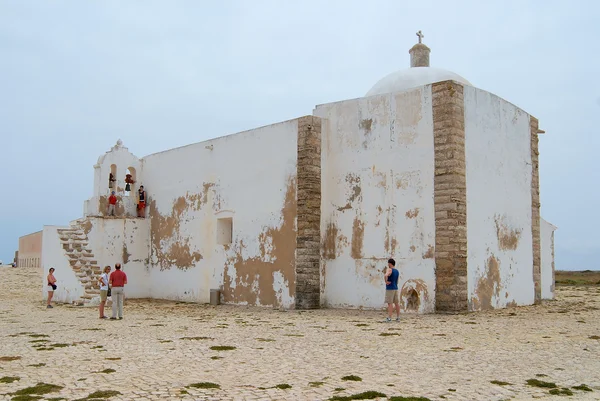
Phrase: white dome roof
(413, 77)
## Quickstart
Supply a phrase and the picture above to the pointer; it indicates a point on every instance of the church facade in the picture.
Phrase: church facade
(426, 169)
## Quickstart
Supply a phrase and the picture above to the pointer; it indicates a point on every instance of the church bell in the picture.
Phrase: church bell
(127, 187)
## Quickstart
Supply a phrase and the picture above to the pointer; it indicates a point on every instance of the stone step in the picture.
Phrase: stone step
(92, 292)
(87, 297)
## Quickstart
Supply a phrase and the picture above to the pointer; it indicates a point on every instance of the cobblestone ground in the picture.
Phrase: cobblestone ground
(161, 349)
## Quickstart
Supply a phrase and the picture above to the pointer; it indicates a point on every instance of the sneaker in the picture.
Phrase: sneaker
(397, 319)
(113, 318)
(49, 306)
(121, 318)
(387, 319)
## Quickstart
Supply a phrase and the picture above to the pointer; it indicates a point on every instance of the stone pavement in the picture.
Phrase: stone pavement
(161, 348)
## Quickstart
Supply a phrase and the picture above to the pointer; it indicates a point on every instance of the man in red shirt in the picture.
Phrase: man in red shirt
(112, 202)
(117, 282)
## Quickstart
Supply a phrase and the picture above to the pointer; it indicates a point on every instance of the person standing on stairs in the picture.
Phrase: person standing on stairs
(103, 281)
(51, 286)
(117, 282)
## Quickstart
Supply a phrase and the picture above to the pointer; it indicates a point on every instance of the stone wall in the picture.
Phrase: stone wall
(535, 209)
(450, 197)
(308, 240)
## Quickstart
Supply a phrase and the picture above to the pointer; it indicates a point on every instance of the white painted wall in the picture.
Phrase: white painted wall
(498, 164)
(547, 247)
(384, 146)
(109, 239)
(243, 176)
(69, 288)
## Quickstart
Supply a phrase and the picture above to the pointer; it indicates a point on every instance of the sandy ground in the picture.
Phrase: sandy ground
(161, 348)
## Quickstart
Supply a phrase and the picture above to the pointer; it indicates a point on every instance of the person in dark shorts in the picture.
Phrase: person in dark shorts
(391, 290)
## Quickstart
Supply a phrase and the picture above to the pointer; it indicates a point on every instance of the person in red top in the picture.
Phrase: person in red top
(112, 202)
(117, 282)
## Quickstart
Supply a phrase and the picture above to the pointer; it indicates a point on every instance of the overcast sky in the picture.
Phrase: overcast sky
(75, 76)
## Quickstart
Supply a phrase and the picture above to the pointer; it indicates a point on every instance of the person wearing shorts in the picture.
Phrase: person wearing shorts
(51, 286)
(391, 290)
(103, 281)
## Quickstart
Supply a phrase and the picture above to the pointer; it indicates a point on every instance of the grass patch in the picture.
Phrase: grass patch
(98, 346)
(113, 359)
(577, 278)
(294, 335)
(55, 399)
(9, 379)
(222, 348)
(59, 345)
(9, 358)
(38, 389)
(316, 384)
(100, 395)
(266, 340)
(582, 387)
(106, 371)
(216, 357)
(204, 385)
(561, 391)
(165, 341)
(26, 397)
(93, 329)
(339, 389)
(594, 337)
(283, 386)
(501, 383)
(353, 378)
(38, 335)
(196, 338)
(540, 383)
(410, 399)
(389, 334)
(367, 395)
(361, 325)
(39, 341)
(37, 365)
(157, 324)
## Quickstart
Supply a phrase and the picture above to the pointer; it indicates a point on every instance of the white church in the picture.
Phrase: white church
(425, 168)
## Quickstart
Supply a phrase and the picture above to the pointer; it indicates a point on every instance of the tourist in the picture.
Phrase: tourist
(112, 202)
(117, 282)
(391, 290)
(141, 207)
(103, 280)
(51, 286)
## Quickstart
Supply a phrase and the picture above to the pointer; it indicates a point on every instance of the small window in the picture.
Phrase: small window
(225, 231)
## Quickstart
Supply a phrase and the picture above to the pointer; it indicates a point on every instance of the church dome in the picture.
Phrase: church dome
(419, 74)
(413, 77)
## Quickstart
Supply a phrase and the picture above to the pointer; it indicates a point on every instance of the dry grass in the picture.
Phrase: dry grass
(585, 277)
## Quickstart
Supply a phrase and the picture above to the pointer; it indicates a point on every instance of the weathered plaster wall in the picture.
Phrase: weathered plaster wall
(499, 174)
(547, 256)
(249, 177)
(125, 241)
(377, 199)
(118, 159)
(30, 250)
(53, 255)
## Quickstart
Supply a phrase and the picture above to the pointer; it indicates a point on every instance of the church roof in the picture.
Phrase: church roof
(412, 78)
(419, 74)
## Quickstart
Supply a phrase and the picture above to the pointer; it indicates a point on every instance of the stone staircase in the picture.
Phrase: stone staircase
(74, 242)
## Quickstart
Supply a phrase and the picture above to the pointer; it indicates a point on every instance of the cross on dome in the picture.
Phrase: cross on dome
(420, 35)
